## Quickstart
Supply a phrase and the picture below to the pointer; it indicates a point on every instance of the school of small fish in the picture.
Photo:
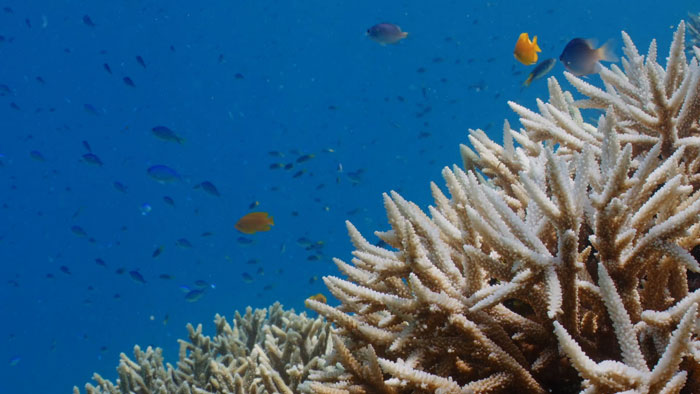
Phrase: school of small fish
(254, 223)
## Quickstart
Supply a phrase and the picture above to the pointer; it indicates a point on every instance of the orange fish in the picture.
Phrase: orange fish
(526, 50)
(254, 222)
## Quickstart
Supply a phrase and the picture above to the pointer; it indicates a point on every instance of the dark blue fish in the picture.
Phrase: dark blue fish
(580, 58)
(158, 251)
(163, 173)
(107, 68)
(36, 155)
(65, 269)
(86, 145)
(165, 276)
(119, 186)
(77, 230)
(137, 277)
(15, 360)
(89, 108)
(201, 283)
(247, 278)
(540, 70)
(129, 82)
(166, 134)
(91, 158)
(209, 188)
(244, 240)
(194, 295)
(101, 262)
(88, 21)
(5, 90)
(169, 200)
(140, 61)
(183, 243)
(386, 33)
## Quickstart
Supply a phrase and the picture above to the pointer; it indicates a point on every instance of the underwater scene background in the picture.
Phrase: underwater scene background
(135, 134)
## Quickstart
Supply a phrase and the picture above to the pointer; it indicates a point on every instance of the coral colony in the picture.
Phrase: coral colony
(560, 264)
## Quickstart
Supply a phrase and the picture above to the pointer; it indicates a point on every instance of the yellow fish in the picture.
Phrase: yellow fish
(526, 50)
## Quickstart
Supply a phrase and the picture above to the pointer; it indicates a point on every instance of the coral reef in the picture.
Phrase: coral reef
(265, 352)
(557, 266)
(560, 265)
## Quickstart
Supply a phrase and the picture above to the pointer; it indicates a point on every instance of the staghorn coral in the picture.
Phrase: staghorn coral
(557, 266)
(266, 351)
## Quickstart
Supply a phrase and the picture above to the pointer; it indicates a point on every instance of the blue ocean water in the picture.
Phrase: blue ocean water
(96, 255)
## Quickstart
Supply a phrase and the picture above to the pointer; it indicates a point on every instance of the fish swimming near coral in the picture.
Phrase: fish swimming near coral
(525, 50)
(386, 33)
(540, 70)
(254, 222)
(581, 58)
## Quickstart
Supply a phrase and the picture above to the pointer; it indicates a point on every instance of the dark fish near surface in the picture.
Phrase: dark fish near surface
(166, 134)
(88, 21)
(91, 158)
(77, 230)
(169, 200)
(580, 58)
(183, 243)
(36, 155)
(137, 277)
(140, 61)
(163, 173)
(209, 188)
(540, 70)
(158, 251)
(119, 186)
(386, 33)
(129, 82)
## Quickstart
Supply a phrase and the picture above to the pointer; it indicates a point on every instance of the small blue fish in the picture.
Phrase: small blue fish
(194, 295)
(119, 186)
(580, 58)
(77, 230)
(88, 21)
(163, 173)
(183, 243)
(36, 155)
(209, 188)
(386, 33)
(140, 61)
(244, 240)
(129, 82)
(540, 70)
(166, 134)
(15, 360)
(137, 277)
(91, 158)
(247, 278)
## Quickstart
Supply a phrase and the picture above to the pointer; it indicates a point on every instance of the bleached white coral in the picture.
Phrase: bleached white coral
(557, 264)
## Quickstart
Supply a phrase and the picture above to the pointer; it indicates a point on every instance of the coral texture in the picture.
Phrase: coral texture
(557, 266)
(264, 352)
